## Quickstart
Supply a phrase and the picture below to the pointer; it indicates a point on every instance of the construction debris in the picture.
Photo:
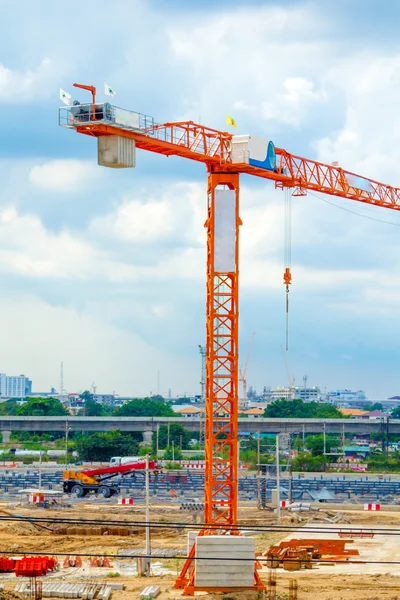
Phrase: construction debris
(296, 554)
(151, 591)
(355, 533)
(318, 516)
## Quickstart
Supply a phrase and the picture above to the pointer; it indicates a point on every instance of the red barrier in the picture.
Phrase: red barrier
(34, 566)
(6, 564)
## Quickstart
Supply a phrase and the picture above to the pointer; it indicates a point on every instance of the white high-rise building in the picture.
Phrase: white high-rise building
(17, 386)
(282, 393)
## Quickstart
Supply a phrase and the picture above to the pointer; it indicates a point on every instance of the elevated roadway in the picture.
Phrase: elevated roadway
(150, 424)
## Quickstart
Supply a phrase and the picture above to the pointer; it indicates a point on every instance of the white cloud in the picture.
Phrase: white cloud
(24, 86)
(268, 59)
(292, 105)
(30, 250)
(368, 142)
(176, 215)
(65, 175)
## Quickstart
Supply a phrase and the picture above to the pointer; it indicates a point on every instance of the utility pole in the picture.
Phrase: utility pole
(258, 470)
(40, 464)
(148, 545)
(387, 437)
(66, 443)
(290, 487)
(324, 438)
(157, 434)
(278, 483)
(168, 434)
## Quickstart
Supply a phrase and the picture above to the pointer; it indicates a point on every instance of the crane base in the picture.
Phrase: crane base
(220, 563)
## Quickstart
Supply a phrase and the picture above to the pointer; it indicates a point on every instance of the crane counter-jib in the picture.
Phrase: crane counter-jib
(245, 154)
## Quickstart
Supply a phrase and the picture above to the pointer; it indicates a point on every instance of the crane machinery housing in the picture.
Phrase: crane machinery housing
(119, 132)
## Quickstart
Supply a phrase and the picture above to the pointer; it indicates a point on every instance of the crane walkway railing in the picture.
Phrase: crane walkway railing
(77, 115)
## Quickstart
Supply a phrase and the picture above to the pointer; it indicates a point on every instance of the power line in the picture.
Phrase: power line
(214, 526)
(353, 212)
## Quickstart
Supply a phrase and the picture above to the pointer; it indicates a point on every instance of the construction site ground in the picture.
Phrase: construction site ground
(336, 582)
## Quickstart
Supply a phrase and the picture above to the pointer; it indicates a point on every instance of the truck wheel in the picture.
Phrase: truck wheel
(77, 490)
(104, 491)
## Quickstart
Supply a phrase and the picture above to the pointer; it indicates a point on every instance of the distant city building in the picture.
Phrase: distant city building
(17, 386)
(308, 394)
(347, 398)
(105, 399)
(282, 392)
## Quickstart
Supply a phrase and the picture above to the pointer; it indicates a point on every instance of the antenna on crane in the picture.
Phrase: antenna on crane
(287, 276)
(243, 372)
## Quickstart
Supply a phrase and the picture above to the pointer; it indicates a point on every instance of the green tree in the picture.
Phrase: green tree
(305, 462)
(145, 407)
(376, 406)
(42, 407)
(102, 446)
(9, 408)
(395, 414)
(86, 395)
(177, 434)
(173, 453)
(91, 408)
(297, 409)
(315, 443)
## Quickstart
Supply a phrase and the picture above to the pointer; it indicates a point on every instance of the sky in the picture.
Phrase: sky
(104, 269)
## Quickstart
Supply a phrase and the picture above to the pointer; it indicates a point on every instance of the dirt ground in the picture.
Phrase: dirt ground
(325, 582)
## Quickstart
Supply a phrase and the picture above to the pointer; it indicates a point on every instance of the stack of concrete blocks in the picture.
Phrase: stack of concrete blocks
(87, 591)
(224, 561)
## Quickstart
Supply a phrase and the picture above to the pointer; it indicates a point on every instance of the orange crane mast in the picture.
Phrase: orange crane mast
(243, 372)
(226, 156)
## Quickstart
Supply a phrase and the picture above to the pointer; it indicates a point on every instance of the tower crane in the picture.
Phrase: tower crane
(119, 133)
(243, 373)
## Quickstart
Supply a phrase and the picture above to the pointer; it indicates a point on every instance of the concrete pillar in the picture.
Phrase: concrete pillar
(6, 435)
(147, 437)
